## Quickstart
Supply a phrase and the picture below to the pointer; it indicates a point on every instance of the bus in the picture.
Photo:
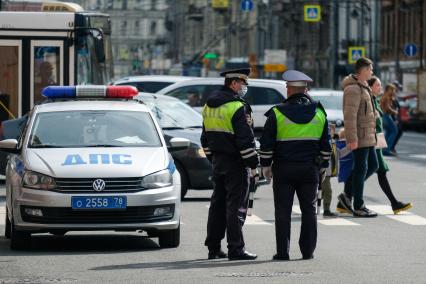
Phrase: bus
(38, 49)
(49, 43)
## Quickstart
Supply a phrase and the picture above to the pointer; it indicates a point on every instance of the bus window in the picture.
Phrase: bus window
(46, 69)
(9, 82)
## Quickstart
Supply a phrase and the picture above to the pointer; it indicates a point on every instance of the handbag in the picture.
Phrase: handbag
(381, 141)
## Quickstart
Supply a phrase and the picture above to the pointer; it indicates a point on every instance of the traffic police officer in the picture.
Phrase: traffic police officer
(295, 141)
(228, 142)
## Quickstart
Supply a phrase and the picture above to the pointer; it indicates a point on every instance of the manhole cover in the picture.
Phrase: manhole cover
(262, 274)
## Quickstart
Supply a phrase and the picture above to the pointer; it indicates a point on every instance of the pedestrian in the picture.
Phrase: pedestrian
(360, 132)
(397, 118)
(228, 142)
(389, 112)
(294, 148)
(331, 171)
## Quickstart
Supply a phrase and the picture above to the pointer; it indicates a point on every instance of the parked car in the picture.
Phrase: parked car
(179, 120)
(150, 83)
(408, 113)
(91, 164)
(332, 101)
(262, 94)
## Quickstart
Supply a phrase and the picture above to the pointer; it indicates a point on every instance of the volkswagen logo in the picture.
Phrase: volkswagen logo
(98, 184)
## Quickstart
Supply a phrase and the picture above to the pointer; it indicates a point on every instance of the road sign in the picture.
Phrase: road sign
(210, 55)
(355, 53)
(312, 13)
(274, 67)
(410, 49)
(247, 5)
(220, 4)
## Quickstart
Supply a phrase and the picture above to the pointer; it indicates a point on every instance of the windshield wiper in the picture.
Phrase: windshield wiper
(172, 128)
(47, 146)
(101, 146)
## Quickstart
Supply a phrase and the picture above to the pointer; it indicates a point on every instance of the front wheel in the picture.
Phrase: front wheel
(169, 239)
(184, 182)
(19, 240)
(8, 225)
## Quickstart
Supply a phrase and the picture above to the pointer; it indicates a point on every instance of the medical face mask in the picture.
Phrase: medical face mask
(243, 91)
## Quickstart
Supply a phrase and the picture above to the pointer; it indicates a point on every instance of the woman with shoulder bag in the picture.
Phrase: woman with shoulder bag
(397, 206)
(388, 112)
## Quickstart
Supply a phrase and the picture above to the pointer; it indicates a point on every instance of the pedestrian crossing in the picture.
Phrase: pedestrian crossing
(405, 217)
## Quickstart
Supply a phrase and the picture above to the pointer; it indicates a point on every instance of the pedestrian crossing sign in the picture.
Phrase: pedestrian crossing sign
(312, 13)
(355, 53)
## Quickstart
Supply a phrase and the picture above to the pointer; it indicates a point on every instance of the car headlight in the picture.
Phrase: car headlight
(38, 181)
(156, 180)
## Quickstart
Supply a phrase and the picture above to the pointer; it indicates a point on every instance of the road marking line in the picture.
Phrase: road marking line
(255, 220)
(3, 210)
(404, 217)
(418, 156)
(2, 218)
(337, 222)
(328, 222)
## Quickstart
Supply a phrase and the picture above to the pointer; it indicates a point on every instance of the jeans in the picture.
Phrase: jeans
(391, 132)
(365, 164)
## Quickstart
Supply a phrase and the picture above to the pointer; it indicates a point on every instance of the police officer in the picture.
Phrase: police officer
(228, 142)
(295, 141)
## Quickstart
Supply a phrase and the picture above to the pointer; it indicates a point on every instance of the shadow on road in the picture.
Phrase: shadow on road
(183, 264)
(81, 245)
(196, 199)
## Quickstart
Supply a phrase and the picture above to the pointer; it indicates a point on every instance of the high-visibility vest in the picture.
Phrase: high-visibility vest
(288, 130)
(219, 119)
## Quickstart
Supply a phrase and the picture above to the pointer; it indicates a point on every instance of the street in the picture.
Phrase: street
(387, 249)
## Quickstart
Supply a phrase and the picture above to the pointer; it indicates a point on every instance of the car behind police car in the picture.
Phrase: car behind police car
(91, 164)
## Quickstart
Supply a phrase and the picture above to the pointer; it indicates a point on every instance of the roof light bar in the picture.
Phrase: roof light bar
(90, 91)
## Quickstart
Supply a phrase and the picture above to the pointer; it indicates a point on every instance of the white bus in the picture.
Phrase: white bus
(58, 44)
(38, 49)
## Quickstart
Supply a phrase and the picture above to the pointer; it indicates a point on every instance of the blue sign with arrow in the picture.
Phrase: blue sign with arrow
(410, 49)
(247, 5)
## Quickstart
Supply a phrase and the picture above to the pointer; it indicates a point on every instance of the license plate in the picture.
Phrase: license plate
(104, 202)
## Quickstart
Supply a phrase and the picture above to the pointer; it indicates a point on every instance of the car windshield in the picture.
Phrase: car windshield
(330, 101)
(172, 113)
(75, 129)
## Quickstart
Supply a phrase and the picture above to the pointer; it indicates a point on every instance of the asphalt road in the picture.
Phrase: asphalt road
(386, 249)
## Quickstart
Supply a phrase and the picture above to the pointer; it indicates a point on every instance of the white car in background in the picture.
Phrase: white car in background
(150, 83)
(262, 94)
(332, 101)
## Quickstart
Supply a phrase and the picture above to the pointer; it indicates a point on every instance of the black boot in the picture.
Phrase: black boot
(216, 254)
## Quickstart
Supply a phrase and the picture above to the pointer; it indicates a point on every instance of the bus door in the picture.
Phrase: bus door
(46, 67)
(10, 79)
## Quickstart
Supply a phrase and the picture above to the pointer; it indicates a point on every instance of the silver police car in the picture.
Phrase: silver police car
(88, 163)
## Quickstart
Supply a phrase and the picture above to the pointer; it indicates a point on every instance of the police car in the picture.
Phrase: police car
(90, 158)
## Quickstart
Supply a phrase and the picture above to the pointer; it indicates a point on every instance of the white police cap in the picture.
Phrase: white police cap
(296, 79)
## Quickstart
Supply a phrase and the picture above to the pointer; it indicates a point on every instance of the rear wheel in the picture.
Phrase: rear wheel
(19, 240)
(184, 181)
(169, 239)
(7, 226)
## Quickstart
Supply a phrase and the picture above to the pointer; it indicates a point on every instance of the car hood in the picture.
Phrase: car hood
(97, 162)
(192, 134)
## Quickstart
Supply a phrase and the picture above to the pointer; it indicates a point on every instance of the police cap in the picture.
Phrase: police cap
(241, 74)
(296, 79)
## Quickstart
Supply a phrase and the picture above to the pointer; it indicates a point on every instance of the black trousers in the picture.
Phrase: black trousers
(228, 204)
(302, 179)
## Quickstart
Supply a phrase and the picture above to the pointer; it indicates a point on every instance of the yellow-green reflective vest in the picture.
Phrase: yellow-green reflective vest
(288, 130)
(219, 119)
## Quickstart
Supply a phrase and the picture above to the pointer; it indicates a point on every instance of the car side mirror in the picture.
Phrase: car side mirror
(177, 144)
(9, 146)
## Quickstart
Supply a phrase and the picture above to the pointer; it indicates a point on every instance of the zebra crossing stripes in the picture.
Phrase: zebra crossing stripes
(2, 214)
(404, 217)
(329, 221)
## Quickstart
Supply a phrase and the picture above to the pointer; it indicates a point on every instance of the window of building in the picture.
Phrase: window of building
(153, 28)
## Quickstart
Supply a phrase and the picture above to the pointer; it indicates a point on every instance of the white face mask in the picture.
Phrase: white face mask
(243, 91)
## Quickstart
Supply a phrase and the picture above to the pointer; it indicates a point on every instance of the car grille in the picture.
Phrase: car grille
(60, 215)
(70, 185)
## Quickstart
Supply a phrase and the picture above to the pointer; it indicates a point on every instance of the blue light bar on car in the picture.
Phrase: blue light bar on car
(89, 91)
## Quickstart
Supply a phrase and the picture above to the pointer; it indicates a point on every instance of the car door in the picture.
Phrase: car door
(261, 100)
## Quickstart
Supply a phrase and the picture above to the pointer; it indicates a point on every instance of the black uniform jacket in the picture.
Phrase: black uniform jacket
(299, 108)
(241, 144)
